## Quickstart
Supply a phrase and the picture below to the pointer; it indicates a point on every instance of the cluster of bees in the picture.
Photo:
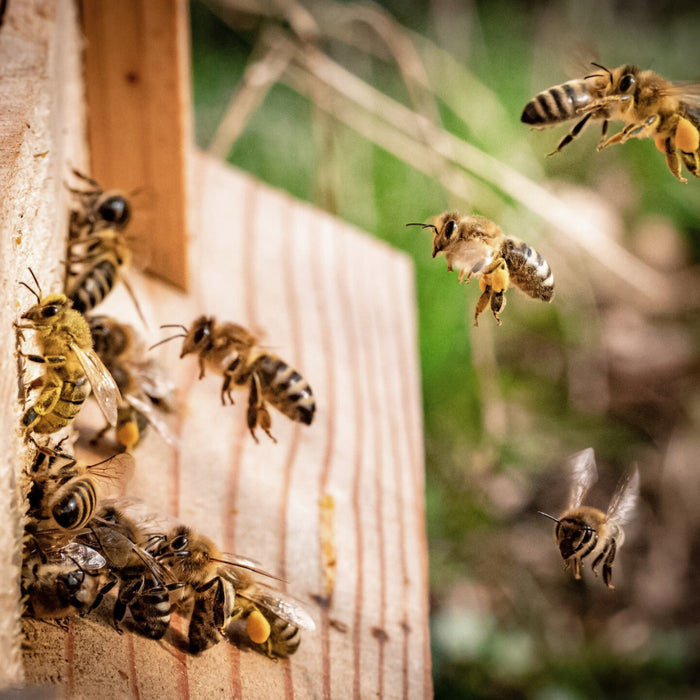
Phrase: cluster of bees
(80, 544)
(649, 107)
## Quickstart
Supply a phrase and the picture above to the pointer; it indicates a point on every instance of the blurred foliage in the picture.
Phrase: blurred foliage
(604, 365)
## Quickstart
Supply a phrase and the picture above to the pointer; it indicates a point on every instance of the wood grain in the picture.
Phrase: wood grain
(138, 95)
(340, 307)
(41, 128)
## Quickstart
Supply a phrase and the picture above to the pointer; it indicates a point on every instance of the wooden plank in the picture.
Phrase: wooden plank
(41, 129)
(340, 307)
(138, 95)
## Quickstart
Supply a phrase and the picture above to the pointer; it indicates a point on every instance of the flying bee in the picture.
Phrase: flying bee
(649, 105)
(268, 620)
(476, 246)
(145, 587)
(146, 391)
(233, 351)
(71, 365)
(584, 531)
(65, 491)
(211, 579)
(61, 581)
(94, 209)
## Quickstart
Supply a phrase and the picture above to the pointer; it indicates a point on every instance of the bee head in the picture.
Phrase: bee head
(114, 209)
(49, 310)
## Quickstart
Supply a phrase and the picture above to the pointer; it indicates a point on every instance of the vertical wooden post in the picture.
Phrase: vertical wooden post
(139, 131)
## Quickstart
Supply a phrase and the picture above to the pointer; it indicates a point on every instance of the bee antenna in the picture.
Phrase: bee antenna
(167, 340)
(547, 515)
(597, 65)
(432, 226)
(174, 325)
(33, 291)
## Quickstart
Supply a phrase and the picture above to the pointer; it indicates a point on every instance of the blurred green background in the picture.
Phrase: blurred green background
(612, 363)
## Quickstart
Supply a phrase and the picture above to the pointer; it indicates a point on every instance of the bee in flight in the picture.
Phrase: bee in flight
(476, 246)
(233, 351)
(649, 105)
(65, 491)
(584, 531)
(71, 365)
(147, 393)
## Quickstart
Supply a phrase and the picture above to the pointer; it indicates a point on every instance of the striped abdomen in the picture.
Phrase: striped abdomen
(557, 104)
(285, 388)
(73, 504)
(575, 537)
(70, 401)
(150, 611)
(94, 284)
(528, 270)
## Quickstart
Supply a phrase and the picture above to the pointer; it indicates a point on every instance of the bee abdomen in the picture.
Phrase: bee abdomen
(71, 400)
(151, 612)
(74, 503)
(90, 288)
(556, 104)
(286, 389)
(528, 270)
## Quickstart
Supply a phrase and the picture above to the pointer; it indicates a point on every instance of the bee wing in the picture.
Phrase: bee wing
(624, 500)
(156, 385)
(583, 475)
(686, 92)
(280, 604)
(119, 466)
(150, 412)
(103, 385)
(85, 557)
(232, 561)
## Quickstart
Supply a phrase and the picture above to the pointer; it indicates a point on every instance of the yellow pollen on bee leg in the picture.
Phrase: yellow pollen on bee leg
(128, 434)
(257, 627)
(687, 136)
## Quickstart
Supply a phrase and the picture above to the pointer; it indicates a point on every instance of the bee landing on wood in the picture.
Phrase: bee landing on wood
(585, 532)
(476, 246)
(649, 105)
(232, 351)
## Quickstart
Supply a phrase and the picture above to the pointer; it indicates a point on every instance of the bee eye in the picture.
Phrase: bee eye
(450, 227)
(201, 334)
(627, 82)
(115, 210)
(49, 311)
(180, 542)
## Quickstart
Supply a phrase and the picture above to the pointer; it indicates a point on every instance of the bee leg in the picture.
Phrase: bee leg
(226, 390)
(672, 160)
(482, 303)
(201, 368)
(101, 593)
(127, 592)
(575, 131)
(607, 565)
(44, 404)
(498, 302)
(692, 162)
(257, 412)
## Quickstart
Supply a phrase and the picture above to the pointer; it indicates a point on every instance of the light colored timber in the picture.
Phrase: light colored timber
(338, 306)
(139, 124)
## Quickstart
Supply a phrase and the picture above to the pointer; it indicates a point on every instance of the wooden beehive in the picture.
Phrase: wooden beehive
(333, 302)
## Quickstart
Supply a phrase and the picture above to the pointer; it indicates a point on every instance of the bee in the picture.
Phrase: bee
(65, 491)
(145, 389)
(98, 252)
(477, 246)
(94, 209)
(71, 365)
(232, 351)
(584, 531)
(267, 620)
(62, 581)
(212, 582)
(649, 105)
(144, 587)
